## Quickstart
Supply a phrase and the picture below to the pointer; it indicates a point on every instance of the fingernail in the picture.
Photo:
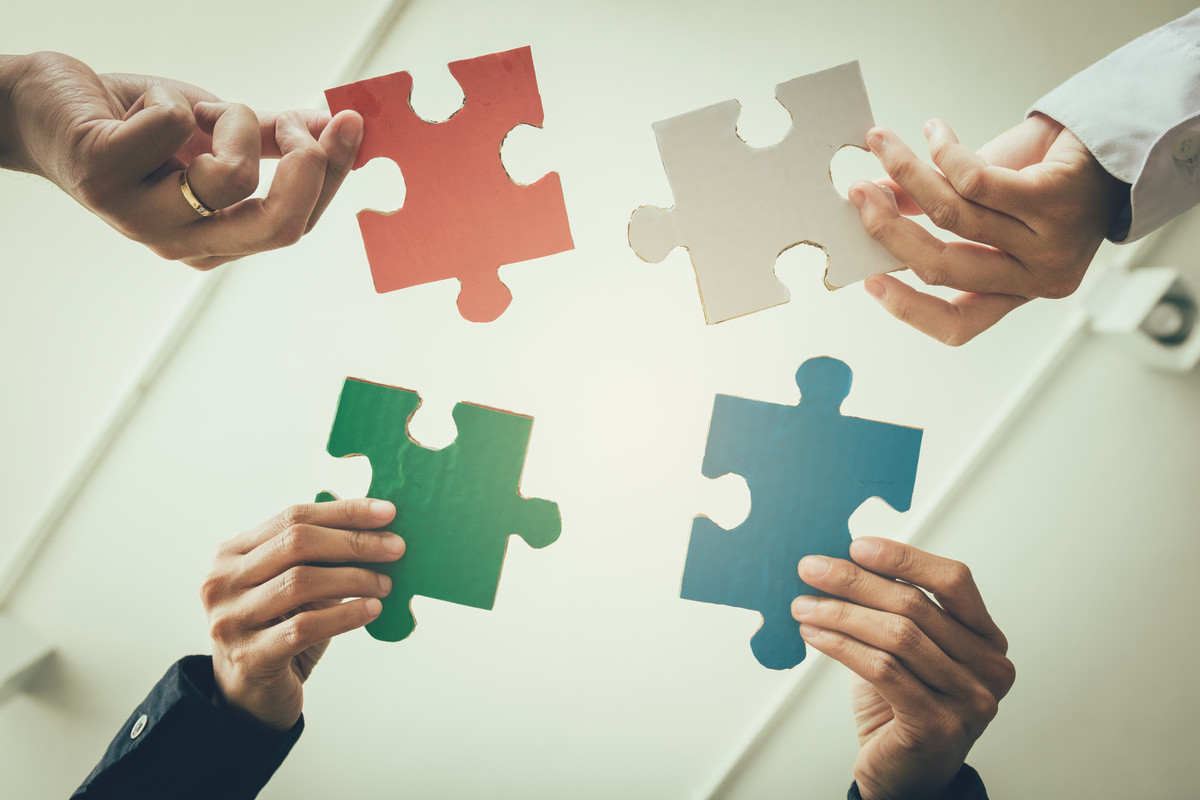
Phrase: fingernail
(887, 190)
(876, 289)
(808, 631)
(373, 607)
(875, 142)
(803, 605)
(930, 128)
(382, 509)
(814, 566)
(393, 544)
(859, 198)
(350, 130)
(864, 550)
(385, 583)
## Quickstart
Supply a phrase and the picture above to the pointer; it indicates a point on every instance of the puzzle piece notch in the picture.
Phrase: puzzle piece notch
(737, 208)
(455, 507)
(808, 468)
(463, 217)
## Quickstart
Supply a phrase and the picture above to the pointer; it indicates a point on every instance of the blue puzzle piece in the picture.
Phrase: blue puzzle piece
(808, 469)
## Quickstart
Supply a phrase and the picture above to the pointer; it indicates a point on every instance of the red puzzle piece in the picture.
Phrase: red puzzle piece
(463, 217)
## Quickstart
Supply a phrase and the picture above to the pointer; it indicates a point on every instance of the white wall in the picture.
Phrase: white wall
(590, 677)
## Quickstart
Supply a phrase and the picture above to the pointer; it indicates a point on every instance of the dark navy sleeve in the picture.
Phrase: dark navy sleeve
(180, 744)
(967, 786)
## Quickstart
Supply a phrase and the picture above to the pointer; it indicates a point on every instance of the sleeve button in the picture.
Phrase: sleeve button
(138, 727)
(1186, 146)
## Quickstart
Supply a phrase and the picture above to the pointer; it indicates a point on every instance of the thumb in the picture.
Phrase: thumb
(1024, 145)
(156, 127)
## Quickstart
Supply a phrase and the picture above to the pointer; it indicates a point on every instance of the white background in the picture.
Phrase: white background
(590, 678)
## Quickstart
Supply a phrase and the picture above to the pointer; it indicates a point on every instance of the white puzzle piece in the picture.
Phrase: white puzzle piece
(738, 207)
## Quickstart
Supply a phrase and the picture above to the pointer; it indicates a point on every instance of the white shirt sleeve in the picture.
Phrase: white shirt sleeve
(1138, 112)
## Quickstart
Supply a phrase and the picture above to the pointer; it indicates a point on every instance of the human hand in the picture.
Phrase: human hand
(928, 676)
(118, 144)
(1034, 203)
(271, 613)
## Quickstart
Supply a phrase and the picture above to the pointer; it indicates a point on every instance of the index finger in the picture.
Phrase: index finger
(316, 122)
(949, 581)
(278, 220)
(362, 513)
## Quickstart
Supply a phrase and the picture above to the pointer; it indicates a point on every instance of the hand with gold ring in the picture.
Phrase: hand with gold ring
(168, 164)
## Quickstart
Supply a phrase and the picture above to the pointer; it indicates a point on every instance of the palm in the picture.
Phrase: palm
(874, 722)
(288, 694)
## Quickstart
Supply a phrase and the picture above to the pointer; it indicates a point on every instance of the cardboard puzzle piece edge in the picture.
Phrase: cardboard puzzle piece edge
(737, 208)
(463, 217)
(808, 468)
(455, 507)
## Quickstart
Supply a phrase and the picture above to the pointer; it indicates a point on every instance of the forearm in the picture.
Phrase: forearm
(1132, 109)
(180, 744)
(11, 70)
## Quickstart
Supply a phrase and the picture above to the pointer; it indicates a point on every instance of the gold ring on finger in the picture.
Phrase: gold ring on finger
(191, 198)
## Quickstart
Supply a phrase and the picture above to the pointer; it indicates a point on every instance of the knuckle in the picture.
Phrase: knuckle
(295, 630)
(298, 514)
(902, 309)
(972, 184)
(173, 122)
(239, 177)
(959, 578)
(222, 627)
(362, 545)
(311, 157)
(935, 275)
(877, 224)
(211, 589)
(901, 169)
(220, 552)
(177, 120)
(348, 510)
(286, 232)
(843, 581)
(903, 634)
(945, 213)
(293, 540)
(840, 613)
(983, 705)
(294, 583)
(913, 602)
(899, 559)
(883, 668)
(1006, 675)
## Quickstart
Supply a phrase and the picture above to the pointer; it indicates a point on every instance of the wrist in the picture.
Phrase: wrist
(254, 701)
(928, 783)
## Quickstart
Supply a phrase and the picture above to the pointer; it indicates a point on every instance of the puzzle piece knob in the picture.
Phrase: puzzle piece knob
(652, 233)
(824, 382)
(483, 297)
(771, 647)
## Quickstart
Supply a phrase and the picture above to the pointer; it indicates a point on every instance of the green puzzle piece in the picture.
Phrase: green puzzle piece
(455, 507)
